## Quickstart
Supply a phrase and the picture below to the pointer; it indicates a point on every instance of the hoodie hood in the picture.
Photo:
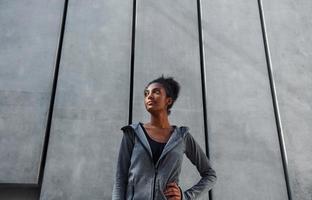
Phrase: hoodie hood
(176, 137)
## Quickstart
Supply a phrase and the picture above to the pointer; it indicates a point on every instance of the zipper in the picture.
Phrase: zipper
(154, 186)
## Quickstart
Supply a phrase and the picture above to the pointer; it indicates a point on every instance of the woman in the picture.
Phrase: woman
(150, 155)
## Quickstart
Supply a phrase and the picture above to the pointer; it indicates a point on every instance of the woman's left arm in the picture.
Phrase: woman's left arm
(208, 175)
(123, 163)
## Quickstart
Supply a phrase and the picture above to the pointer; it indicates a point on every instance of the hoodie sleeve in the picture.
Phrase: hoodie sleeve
(123, 163)
(208, 175)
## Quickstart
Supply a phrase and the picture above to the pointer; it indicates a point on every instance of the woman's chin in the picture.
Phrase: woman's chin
(151, 109)
(154, 111)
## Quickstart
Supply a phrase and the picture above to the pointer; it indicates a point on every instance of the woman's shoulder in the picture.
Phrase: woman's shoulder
(183, 130)
(130, 126)
(129, 131)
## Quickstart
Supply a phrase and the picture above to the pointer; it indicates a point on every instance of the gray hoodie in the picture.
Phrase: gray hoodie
(138, 178)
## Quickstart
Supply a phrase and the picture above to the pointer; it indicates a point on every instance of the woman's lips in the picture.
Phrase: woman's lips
(150, 102)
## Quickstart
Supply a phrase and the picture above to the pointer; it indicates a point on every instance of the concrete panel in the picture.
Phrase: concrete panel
(167, 43)
(28, 37)
(19, 193)
(242, 130)
(91, 101)
(289, 29)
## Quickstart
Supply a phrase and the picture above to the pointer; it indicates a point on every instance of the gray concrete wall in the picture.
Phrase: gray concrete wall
(29, 34)
(91, 103)
(289, 28)
(242, 130)
(93, 92)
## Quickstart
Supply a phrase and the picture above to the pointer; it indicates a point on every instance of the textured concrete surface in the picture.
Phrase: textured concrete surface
(289, 29)
(242, 131)
(28, 37)
(91, 101)
(167, 43)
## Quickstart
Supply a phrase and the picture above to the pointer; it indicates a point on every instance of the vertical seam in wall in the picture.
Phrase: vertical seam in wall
(132, 61)
(275, 102)
(54, 86)
(203, 80)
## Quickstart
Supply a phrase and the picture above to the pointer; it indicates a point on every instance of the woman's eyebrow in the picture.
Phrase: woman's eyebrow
(156, 88)
(147, 90)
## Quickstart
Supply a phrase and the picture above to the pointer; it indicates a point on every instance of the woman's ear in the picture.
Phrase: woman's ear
(169, 101)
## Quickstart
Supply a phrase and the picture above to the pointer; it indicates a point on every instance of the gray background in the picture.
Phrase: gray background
(93, 92)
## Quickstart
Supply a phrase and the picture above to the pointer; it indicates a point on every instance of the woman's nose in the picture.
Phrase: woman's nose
(149, 96)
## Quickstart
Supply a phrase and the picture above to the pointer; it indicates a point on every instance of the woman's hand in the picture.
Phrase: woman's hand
(172, 191)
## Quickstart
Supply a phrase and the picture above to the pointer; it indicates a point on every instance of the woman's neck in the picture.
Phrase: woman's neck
(160, 120)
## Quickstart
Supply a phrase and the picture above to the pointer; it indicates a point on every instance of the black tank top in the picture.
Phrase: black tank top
(156, 147)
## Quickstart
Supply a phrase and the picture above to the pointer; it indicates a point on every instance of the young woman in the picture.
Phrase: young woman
(150, 155)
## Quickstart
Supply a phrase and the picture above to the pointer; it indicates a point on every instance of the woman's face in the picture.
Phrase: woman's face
(155, 98)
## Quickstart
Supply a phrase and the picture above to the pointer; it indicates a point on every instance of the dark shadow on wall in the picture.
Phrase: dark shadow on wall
(8, 193)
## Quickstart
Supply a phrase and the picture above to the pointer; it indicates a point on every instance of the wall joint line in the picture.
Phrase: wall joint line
(132, 61)
(274, 98)
(54, 86)
(203, 81)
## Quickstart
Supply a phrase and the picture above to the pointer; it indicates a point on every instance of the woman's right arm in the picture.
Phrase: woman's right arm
(123, 163)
